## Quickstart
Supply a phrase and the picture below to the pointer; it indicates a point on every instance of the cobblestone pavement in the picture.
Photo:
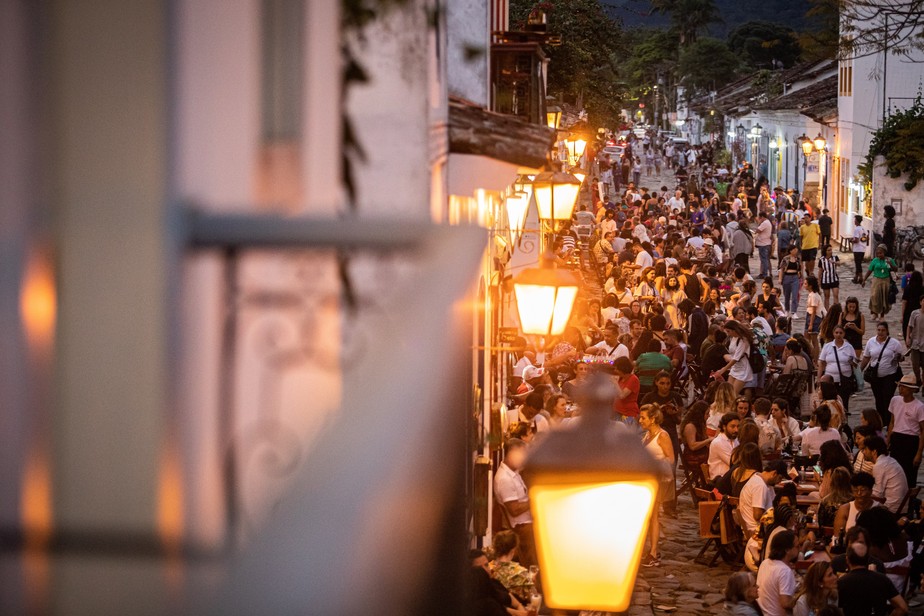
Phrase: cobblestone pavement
(683, 586)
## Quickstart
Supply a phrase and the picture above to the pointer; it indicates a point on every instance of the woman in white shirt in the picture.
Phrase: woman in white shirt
(819, 432)
(883, 353)
(814, 312)
(837, 359)
(738, 367)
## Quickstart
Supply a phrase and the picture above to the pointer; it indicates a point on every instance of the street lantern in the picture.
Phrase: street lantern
(545, 297)
(556, 194)
(756, 130)
(592, 491)
(807, 144)
(576, 147)
(553, 116)
(820, 143)
(517, 207)
(740, 130)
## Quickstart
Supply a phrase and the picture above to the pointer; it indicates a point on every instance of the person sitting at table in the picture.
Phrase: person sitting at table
(745, 461)
(489, 597)
(871, 418)
(831, 456)
(740, 594)
(757, 494)
(861, 592)
(721, 447)
(887, 540)
(839, 493)
(819, 590)
(743, 407)
(857, 534)
(776, 582)
(860, 463)
(788, 426)
(771, 443)
(508, 571)
(846, 517)
(723, 402)
(695, 450)
(891, 484)
(818, 432)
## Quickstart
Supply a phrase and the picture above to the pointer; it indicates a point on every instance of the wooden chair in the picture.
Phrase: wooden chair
(905, 507)
(693, 479)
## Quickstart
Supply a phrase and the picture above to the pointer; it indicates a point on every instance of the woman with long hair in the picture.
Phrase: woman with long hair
(819, 590)
(796, 362)
(839, 493)
(814, 312)
(696, 441)
(670, 299)
(738, 368)
(642, 344)
(740, 595)
(828, 323)
(658, 443)
(854, 324)
(645, 290)
(722, 403)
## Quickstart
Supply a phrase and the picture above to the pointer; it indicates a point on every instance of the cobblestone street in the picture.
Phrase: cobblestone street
(684, 587)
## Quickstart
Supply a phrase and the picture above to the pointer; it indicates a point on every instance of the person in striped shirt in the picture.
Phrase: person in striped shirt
(828, 279)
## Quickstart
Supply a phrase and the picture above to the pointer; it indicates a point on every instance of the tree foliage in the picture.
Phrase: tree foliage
(689, 18)
(707, 65)
(583, 69)
(763, 44)
(868, 27)
(901, 141)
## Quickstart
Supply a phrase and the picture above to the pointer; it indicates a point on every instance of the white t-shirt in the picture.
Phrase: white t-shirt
(891, 483)
(696, 242)
(908, 415)
(720, 450)
(619, 350)
(891, 357)
(764, 232)
(509, 486)
(831, 354)
(641, 232)
(740, 349)
(859, 233)
(774, 579)
(644, 259)
(814, 438)
(676, 203)
(814, 301)
(755, 493)
(520, 365)
(761, 322)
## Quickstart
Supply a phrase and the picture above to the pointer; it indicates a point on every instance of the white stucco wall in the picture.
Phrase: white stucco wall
(467, 22)
(885, 189)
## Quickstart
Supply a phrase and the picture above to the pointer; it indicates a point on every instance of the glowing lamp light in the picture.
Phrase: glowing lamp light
(819, 142)
(545, 297)
(553, 116)
(556, 194)
(807, 144)
(756, 130)
(579, 176)
(517, 208)
(592, 490)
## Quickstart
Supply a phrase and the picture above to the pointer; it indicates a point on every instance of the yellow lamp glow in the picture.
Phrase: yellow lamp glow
(579, 176)
(807, 144)
(556, 195)
(545, 297)
(517, 208)
(590, 550)
(820, 142)
(592, 490)
(553, 116)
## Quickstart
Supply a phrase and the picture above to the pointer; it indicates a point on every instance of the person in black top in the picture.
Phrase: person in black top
(856, 534)
(862, 592)
(697, 324)
(488, 595)
(824, 226)
(888, 230)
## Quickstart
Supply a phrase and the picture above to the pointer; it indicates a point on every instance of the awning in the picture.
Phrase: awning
(474, 130)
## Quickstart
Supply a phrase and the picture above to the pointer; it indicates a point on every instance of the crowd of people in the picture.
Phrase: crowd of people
(725, 378)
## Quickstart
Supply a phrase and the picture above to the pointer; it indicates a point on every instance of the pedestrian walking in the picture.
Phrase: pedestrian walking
(882, 356)
(763, 239)
(859, 243)
(790, 280)
(905, 443)
(827, 271)
(880, 268)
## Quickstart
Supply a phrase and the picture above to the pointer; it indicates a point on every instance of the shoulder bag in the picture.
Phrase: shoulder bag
(871, 372)
(849, 381)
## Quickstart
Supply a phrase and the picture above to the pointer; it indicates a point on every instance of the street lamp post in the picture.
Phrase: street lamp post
(740, 132)
(807, 147)
(592, 491)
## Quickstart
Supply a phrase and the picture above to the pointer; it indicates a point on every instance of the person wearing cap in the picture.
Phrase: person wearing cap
(905, 442)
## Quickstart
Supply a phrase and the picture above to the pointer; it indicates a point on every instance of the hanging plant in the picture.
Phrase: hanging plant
(900, 141)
